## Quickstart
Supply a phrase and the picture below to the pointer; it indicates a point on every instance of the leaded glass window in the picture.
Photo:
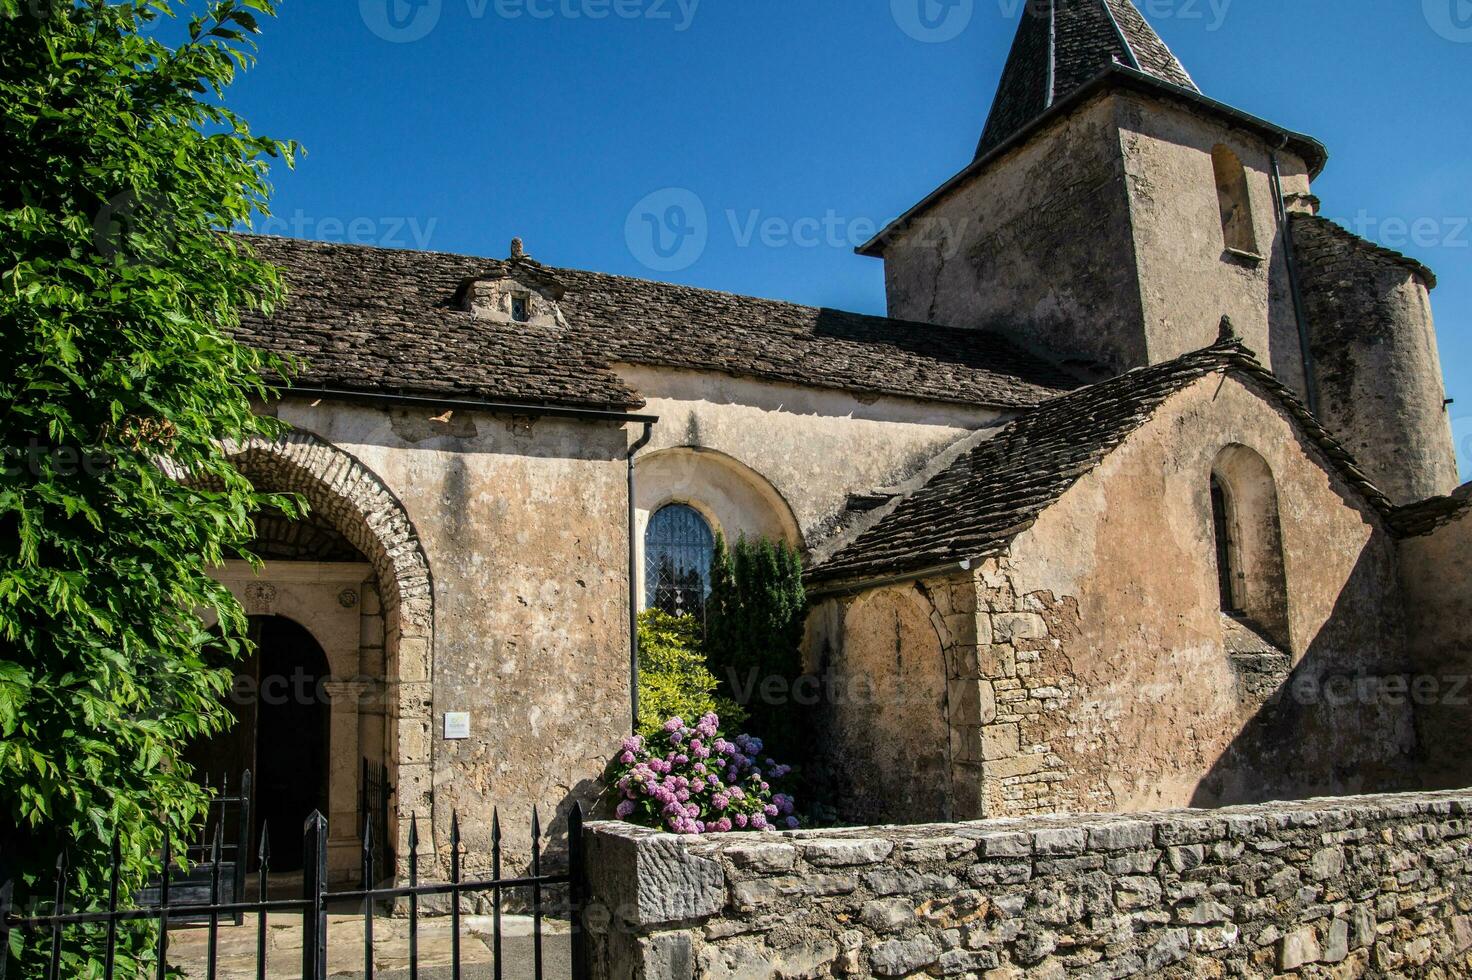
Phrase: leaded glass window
(678, 546)
(1226, 548)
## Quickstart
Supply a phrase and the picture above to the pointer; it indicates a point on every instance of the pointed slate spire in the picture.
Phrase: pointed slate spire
(1063, 44)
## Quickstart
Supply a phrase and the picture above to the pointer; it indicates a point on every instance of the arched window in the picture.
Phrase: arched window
(1236, 205)
(1251, 578)
(678, 547)
(1226, 548)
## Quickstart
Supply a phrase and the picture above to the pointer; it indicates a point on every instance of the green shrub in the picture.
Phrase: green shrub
(674, 681)
(755, 618)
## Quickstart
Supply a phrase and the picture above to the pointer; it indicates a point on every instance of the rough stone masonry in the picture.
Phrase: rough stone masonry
(1364, 886)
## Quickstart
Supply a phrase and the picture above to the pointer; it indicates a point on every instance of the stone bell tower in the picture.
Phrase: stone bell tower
(1114, 213)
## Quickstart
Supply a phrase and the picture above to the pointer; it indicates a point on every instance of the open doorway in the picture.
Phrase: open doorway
(281, 736)
(292, 723)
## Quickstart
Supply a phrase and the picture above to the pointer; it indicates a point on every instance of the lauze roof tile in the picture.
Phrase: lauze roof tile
(370, 319)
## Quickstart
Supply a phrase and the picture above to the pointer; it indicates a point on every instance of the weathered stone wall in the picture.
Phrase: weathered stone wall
(1377, 365)
(1326, 888)
(522, 523)
(1188, 278)
(1091, 669)
(1036, 246)
(1129, 688)
(780, 460)
(900, 707)
(1436, 574)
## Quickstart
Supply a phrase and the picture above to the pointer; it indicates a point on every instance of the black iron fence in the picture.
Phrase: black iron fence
(45, 934)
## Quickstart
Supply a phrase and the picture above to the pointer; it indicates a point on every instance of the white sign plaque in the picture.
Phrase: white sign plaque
(457, 725)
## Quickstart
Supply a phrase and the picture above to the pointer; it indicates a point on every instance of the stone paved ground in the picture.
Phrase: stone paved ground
(237, 948)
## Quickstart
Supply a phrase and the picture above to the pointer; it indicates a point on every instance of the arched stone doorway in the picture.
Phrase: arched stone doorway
(356, 577)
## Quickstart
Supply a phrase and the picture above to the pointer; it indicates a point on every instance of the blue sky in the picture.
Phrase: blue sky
(799, 126)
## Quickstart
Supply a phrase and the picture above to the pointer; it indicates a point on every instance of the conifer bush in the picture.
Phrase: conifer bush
(755, 617)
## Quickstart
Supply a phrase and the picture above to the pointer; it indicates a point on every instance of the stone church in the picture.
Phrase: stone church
(1143, 494)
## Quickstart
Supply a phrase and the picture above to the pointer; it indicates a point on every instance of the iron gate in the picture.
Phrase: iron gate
(43, 935)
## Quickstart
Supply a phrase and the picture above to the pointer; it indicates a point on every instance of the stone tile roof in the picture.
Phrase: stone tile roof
(1315, 239)
(1426, 516)
(1061, 46)
(370, 319)
(978, 504)
(380, 320)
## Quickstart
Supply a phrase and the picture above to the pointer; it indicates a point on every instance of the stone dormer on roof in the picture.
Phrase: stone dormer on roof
(975, 506)
(1061, 46)
(521, 291)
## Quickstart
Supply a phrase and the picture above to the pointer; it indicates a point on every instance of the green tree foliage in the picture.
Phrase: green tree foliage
(674, 681)
(754, 625)
(118, 290)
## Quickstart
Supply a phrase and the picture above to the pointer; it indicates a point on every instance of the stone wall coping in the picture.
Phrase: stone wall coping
(1218, 824)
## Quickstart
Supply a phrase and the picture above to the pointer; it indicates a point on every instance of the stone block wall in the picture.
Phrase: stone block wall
(1018, 651)
(1361, 886)
(1377, 364)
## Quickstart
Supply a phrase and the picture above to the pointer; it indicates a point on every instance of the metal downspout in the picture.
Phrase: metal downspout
(1285, 225)
(634, 580)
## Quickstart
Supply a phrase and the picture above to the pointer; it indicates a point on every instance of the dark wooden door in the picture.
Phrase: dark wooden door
(291, 734)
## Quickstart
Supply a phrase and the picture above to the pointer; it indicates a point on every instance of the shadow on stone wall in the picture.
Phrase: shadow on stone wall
(1343, 720)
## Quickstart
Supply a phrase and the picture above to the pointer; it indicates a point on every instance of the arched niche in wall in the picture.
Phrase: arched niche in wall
(889, 712)
(733, 498)
(1248, 535)
(1234, 200)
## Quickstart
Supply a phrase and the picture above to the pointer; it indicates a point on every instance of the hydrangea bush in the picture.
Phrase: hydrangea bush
(693, 780)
